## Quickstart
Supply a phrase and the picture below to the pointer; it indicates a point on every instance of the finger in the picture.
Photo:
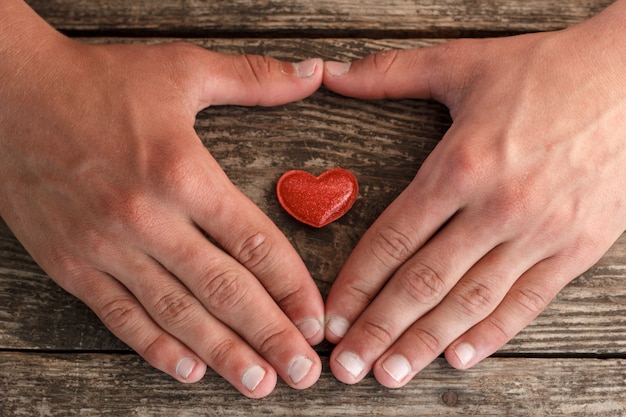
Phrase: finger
(252, 80)
(395, 236)
(120, 311)
(472, 299)
(530, 295)
(231, 294)
(416, 73)
(414, 290)
(179, 312)
(259, 246)
(248, 235)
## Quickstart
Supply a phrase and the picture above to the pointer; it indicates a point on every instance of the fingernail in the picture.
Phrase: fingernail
(337, 69)
(397, 366)
(351, 363)
(309, 327)
(184, 367)
(298, 368)
(253, 377)
(465, 352)
(338, 326)
(305, 69)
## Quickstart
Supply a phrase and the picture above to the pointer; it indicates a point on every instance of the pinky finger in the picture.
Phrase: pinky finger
(124, 316)
(527, 298)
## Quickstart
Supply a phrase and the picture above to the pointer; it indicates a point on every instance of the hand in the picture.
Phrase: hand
(524, 193)
(107, 185)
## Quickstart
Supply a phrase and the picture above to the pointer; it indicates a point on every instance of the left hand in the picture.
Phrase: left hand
(524, 193)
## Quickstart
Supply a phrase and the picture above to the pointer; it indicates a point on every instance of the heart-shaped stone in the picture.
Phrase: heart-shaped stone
(317, 201)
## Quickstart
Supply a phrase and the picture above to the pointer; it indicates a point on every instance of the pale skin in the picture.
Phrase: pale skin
(107, 185)
(525, 192)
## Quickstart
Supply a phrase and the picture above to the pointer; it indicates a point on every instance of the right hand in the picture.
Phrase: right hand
(107, 185)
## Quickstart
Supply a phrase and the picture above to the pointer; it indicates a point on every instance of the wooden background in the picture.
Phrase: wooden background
(57, 359)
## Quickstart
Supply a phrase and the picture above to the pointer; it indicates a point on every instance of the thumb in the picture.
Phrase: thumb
(426, 73)
(254, 80)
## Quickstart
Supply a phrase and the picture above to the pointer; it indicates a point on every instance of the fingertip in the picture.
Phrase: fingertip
(334, 69)
(343, 78)
(462, 355)
(309, 69)
(189, 370)
(304, 371)
(258, 381)
(381, 75)
(255, 80)
(311, 329)
(336, 328)
(393, 371)
(347, 366)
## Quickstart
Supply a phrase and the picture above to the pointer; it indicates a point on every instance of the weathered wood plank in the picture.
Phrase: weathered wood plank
(382, 142)
(92, 385)
(320, 18)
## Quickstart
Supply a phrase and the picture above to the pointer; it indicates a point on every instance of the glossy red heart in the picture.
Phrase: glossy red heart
(317, 201)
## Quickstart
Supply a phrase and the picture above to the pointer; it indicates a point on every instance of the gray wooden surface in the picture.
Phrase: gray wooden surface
(57, 359)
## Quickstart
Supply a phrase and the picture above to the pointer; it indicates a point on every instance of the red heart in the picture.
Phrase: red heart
(317, 201)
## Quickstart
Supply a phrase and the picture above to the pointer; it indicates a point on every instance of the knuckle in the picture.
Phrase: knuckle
(290, 298)
(124, 209)
(467, 167)
(177, 173)
(421, 283)
(254, 69)
(424, 338)
(151, 350)
(532, 302)
(272, 339)
(379, 331)
(498, 332)
(135, 211)
(390, 245)
(384, 60)
(260, 64)
(223, 352)
(64, 266)
(254, 251)
(358, 294)
(120, 314)
(475, 298)
(514, 201)
(175, 308)
(224, 291)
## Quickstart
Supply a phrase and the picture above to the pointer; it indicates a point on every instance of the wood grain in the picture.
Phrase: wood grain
(123, 385)
(57, 359)
(372, 18)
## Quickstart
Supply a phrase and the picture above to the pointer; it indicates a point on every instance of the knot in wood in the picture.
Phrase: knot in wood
(450, 398)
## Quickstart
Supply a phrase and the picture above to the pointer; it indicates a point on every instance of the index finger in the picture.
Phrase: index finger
(249, 236)
(403, 228)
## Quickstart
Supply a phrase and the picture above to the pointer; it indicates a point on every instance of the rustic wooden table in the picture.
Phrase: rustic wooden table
(57, 359)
